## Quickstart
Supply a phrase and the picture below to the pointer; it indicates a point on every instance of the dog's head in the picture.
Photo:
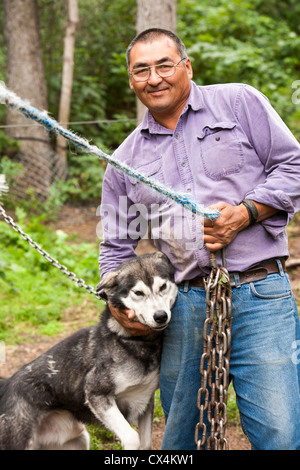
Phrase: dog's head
(144, 284)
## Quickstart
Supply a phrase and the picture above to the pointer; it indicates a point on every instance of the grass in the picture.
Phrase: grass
(33, 293)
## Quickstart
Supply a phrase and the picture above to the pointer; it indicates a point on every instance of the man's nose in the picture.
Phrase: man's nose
(154, 78)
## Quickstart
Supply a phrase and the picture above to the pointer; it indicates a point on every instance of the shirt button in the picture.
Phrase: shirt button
(183, 164)
(177, 136)
(189, 190)
(218, 138)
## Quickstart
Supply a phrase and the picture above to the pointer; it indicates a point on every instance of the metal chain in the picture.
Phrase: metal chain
(214, 364)
(72, 276)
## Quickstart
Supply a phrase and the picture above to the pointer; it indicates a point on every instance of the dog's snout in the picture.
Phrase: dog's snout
(160, 317)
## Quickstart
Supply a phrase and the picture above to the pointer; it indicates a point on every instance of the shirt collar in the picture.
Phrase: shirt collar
(195, 100)
(150, 126)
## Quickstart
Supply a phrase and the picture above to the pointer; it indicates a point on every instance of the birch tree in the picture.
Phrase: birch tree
(67, 80)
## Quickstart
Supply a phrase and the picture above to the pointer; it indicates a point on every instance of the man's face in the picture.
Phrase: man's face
(161, 95)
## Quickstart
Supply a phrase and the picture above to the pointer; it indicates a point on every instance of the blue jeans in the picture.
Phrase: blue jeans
(264, 365)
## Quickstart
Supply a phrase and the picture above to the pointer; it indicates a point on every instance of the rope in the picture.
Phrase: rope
(11, 100)
(73, 123)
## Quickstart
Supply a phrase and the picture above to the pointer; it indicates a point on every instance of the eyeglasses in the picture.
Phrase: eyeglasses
(166, 69)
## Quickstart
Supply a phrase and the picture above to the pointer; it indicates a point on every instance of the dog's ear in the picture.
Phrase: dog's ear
(104, 287)
(162, 258)
(161, 255)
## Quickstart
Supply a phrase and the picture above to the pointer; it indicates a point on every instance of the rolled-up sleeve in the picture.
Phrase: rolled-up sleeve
(279, 152)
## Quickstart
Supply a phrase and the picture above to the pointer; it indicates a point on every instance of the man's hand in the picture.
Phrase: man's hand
(125, 318)
(221, 232)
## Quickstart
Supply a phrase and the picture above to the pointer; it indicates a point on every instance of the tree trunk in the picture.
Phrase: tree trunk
(154, 14)
(67, 80)
(26, 77)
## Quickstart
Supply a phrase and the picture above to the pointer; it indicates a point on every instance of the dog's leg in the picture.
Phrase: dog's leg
(59, 430)
(145, 426)
(81, 442)
(107, 411)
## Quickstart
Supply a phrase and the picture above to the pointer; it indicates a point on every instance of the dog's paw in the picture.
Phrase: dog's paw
(132, 442)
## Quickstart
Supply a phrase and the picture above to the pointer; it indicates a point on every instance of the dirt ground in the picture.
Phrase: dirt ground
(83, 222)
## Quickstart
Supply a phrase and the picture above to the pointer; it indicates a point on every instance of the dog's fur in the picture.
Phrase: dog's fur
(100, 374)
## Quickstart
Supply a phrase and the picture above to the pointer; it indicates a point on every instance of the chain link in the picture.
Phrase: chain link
(72, 276)
(214, 365)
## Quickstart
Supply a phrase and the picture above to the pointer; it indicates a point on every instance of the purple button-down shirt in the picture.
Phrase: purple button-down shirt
(229, 144)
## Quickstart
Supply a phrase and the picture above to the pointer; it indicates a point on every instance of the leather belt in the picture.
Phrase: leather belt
(254, 274)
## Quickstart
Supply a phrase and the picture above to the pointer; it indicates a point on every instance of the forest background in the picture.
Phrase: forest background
(251, 41)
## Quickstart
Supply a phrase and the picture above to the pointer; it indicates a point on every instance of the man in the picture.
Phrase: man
(221, 144)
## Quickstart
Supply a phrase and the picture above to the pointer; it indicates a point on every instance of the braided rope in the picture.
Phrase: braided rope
(11, 100)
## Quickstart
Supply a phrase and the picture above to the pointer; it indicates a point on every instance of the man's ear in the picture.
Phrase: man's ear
(189, 68)
(130, 83)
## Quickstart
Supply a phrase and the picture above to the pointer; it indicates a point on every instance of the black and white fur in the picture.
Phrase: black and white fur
(100, 374)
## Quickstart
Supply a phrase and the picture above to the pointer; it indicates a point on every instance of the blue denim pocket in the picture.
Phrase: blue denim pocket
(272, 288)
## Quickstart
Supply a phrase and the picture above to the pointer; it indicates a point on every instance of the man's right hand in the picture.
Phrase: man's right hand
(125, 318)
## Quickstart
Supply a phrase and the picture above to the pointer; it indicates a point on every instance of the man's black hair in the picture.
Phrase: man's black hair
(151, 34)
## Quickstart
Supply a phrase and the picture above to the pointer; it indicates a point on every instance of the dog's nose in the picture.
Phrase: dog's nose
(160, 317)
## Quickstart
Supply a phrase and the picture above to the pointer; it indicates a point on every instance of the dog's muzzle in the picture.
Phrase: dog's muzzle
(160, 317)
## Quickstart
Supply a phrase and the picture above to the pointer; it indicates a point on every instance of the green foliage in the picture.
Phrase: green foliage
(84, 182)
(232, 409)
(287, 10)
(100, 81)
(241, 41)
(33, 293)
(158, 410)
(10, 169)
(7, 145)
(102, 439)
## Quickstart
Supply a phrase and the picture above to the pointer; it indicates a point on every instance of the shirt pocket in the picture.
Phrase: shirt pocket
(144, 194)
(221, 150)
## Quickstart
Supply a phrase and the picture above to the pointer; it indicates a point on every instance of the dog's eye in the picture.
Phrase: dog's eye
(163, 287)
(139, 293)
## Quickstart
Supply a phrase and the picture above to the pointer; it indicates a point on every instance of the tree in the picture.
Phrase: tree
(154, 14)
(26, 77)
(67, 81)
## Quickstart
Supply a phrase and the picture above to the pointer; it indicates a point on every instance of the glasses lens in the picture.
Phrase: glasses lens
(141, 75)
(165, 70)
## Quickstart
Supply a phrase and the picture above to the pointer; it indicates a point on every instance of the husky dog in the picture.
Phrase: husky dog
(101, 374)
